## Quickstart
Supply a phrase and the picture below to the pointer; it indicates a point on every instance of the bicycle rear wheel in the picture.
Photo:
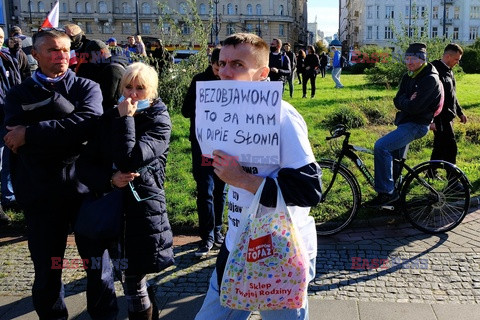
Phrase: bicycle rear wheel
(341, 202)
(440, 210)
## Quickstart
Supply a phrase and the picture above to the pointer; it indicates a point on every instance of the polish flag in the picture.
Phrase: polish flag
(52, 18)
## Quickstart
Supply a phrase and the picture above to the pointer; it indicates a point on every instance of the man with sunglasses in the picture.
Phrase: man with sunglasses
(48, 118)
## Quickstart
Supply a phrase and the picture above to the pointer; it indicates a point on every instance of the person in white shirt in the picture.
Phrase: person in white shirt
(245, 57)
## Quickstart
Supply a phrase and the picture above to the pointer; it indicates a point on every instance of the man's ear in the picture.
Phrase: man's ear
(264, 73)
(34, 53)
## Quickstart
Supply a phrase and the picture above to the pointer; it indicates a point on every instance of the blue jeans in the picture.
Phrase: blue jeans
(210, 195)
(336, 72)
(8, 197)
(390, 145)
(213, 310)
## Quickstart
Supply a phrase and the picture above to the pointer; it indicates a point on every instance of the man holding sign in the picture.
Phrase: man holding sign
(244, 57)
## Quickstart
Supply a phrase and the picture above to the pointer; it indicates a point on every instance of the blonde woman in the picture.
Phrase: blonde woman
(141, 50)
(129, 152)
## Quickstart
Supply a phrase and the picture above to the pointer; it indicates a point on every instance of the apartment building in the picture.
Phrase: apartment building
(100, 19)
(373, 22)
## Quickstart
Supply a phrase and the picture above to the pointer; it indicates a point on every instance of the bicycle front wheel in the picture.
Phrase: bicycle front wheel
(436, 197)
(341, 202)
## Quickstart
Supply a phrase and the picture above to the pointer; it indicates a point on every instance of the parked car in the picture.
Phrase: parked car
(179, 55)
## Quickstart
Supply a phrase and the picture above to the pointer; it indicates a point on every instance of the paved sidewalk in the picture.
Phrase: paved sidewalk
(387, 270)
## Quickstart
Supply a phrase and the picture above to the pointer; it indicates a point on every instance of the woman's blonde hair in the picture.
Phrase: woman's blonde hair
(145, 76)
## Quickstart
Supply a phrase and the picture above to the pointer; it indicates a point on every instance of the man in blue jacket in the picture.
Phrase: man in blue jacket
(48, 118)
(337, 67)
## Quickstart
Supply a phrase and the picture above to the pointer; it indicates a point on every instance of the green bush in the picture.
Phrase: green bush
(377, 112)
(351, 117)
(470, 60)
(388, 74)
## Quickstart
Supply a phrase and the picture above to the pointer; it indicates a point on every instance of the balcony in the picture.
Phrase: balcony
(447, 22)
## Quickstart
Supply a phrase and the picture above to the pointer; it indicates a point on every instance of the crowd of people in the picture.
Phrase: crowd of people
(81, 118)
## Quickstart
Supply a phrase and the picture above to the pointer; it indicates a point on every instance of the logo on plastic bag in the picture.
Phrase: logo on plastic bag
(260, 248)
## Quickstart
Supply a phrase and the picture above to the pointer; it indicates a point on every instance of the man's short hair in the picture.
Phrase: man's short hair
(41, 35)
(215, 55)
(15, 30)
(453, 48)
(278, 41)
(261, 48)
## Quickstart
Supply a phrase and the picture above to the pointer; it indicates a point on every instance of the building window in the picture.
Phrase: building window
(126, 27)
(63, 8)
(434, 32)
(388, 33)
(280, 11)
(146, 8)
(475, 12)
(377, 32)
(407, 11)
(102, 7)
(249, 9)
(389, 12)
(185, 29)
(146, 28)
(107, 28)
(455, 33)
(421, 12)
(447, 13)
(88, 7)
(378, 12)
(456, 13)
(78, 7)
(203, 8)
(435, 13)
(88, 27)
(281, 29)
(126, 8)
(41, 6)
(230, 9)
(369, 12)
(182, 8)
(166, 28)
(446, 32)
(369, 32)
(473, 33)
(230, 29)
(259, 10)
(249, 28)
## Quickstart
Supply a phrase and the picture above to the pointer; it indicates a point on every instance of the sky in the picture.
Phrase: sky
(326, 12)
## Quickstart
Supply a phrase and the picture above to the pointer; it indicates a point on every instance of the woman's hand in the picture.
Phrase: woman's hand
(127, 108)
(120, 179)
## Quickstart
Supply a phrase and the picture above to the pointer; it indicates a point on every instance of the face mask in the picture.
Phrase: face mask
(273, 49)
(141, 104)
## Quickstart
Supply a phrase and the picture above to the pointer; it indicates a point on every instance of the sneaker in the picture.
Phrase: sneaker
(203, 249)
(382, 199)
(219, 239)
(4, 219)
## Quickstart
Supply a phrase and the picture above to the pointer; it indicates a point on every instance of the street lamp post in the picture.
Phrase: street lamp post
(136, 17)
(216, 21)
(410, 19)
(30, 10)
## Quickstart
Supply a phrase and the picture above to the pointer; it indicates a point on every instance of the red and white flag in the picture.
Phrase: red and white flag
(52, 18)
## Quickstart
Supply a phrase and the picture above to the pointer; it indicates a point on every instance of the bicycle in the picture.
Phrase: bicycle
(434, 195)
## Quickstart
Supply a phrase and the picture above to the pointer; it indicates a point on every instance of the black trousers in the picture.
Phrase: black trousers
(444, 144)
(312, 76)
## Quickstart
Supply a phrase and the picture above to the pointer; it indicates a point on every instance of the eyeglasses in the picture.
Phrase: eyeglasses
(132, 187)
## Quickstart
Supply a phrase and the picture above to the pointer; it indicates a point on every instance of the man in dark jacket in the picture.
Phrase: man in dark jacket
(9, 76)
(444, 144)
(417, 99)
(278, 62)
(293, 65)
(15, 31)
(210, 189)
(48, 118)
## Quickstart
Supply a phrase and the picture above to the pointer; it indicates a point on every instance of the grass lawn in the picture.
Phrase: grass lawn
(356, 96)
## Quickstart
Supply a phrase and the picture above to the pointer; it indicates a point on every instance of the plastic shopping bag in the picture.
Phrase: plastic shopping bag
(268, 267)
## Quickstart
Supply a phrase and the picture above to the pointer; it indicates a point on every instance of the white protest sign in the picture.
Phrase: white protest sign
(241, 118)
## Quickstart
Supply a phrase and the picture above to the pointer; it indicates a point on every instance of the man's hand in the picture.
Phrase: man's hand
(433, 127)
(120, 179)
(463, 118)
(15, 137)
(274, 70)
(414, 95)
(227, 168)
